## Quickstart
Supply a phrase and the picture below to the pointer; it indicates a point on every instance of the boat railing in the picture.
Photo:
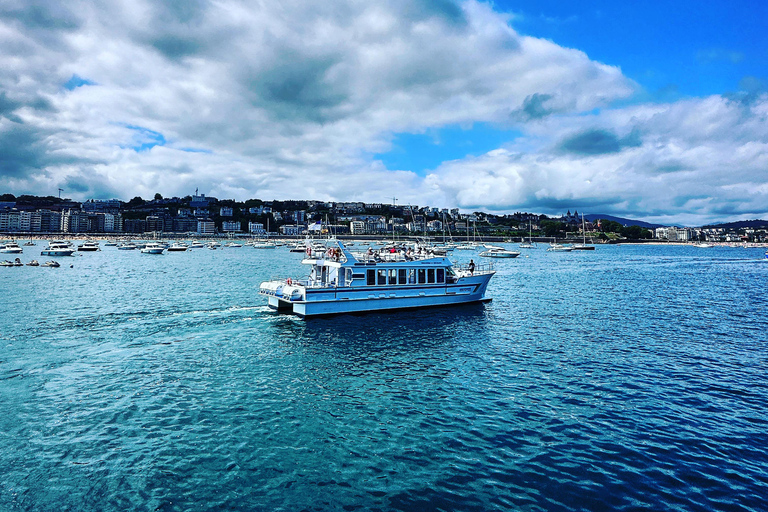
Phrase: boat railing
(390, 257)
(480, 268)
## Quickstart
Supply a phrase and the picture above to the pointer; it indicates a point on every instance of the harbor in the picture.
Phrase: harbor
(624, 377)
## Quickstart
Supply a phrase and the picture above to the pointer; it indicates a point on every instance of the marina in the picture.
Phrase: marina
(591, 380)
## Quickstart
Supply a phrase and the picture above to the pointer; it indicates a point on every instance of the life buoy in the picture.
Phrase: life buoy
(289, 281)
(329, 253)
(309, 251)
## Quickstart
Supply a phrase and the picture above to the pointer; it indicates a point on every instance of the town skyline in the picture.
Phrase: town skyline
(659, 115)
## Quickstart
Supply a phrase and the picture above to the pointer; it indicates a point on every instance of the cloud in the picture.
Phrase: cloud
(694, 161)
(292, 99)
(598, 141)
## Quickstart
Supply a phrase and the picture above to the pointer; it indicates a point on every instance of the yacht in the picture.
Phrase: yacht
(499, 252)
(153, 248)
(177, 247)
(196, 245)
(128, 246)
(11, 248)
(341, 281)
(88, 246)
(264, 245)
(554, 247)
(58, 249)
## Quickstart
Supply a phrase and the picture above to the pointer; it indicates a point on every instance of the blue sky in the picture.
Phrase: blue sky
(672, 50)
(698, 48)
(649, 110)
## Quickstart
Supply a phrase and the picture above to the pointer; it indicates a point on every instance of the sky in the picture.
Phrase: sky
(656, 111)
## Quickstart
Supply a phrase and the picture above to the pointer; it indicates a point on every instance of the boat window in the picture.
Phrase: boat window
(411, 276)
(382, 277)
(403, 276)
(431, 276)
(392, 276)
(371, 278)
(422, 276)
(440, 275)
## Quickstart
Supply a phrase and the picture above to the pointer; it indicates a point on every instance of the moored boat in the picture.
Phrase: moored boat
(341, 281)
(58, 249)
(153, 248)
(559, 248)
(177, 247)
(11, 248)
(499, 252)
(88, 246)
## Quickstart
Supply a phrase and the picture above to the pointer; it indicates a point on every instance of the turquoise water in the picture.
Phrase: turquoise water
(627, 378)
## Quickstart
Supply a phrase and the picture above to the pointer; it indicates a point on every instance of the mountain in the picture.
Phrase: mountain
(757, 223)
(624, 222)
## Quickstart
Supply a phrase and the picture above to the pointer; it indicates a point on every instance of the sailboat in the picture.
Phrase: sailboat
(583, 246)
(467, 246)
(529, 244)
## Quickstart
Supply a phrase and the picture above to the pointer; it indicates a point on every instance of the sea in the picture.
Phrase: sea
(632, 377)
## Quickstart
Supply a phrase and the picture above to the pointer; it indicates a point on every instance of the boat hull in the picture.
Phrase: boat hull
(336, 301)
(57, 252)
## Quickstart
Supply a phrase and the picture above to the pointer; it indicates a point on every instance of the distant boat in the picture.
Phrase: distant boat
(33, 263)
(264, 245)
(703, 245)
(88, 246)
(529, 244)
(583, 246)
(153, 248)
(53, 264)
(58, 249)
(499, 253)
(553, 247)
(177, 247)
(11, 248)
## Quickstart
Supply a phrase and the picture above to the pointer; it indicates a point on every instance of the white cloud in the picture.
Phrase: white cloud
(289, 100)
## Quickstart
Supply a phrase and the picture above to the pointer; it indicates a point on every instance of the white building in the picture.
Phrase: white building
(225, 211)
(206, 227)
(291, 229)
(257, 228)
(231, 225)
(357, 227)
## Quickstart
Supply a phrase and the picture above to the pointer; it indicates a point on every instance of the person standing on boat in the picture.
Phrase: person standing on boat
(472, 267)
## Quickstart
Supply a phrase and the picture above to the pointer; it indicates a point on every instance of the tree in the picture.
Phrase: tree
(158, 197)
(7, 197)
(136, 201)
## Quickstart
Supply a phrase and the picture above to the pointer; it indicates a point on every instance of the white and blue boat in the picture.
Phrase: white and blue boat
(58, 249)
(341, 281)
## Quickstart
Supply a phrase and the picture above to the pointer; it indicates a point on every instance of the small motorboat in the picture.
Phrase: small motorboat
(89, 246)
(559, 248)
(499, 253)
(17, 263)
(153, 248)
(53, 264)
(33, 263)
(11, 248)
(6, 263)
